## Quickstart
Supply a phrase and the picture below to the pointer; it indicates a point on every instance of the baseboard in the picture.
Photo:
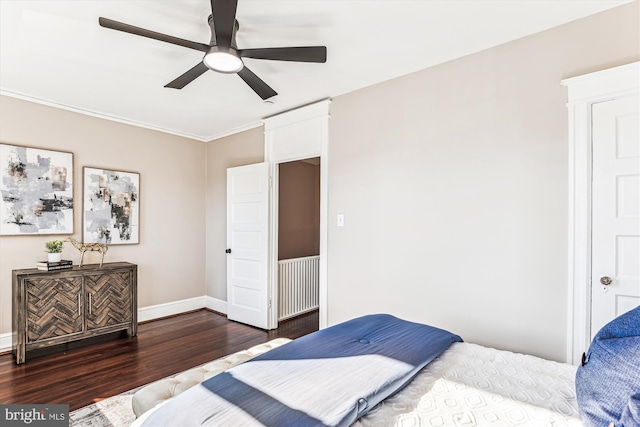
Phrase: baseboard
(153, 312)
(177, 307)
(5, 342)
(170, 308)
(216, 304)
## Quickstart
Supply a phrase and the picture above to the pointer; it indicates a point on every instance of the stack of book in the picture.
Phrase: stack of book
(63, 264)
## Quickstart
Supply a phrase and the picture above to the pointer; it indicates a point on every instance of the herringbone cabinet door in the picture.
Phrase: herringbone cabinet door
(110, 301)
(52, 307)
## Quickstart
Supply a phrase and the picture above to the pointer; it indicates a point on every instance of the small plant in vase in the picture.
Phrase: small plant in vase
(54, 249)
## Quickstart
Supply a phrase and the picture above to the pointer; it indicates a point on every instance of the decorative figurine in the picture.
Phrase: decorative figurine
(83, 247)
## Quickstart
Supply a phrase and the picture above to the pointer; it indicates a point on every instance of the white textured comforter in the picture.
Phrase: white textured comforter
(471, 385)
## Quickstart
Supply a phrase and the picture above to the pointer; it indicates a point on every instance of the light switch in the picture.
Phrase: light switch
(340, 220)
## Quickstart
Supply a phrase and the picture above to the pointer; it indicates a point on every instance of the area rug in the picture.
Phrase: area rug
(114, 411)
(117, 411)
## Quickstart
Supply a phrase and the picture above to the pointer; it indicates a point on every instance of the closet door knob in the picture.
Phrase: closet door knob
(228, 251)
(606, 280)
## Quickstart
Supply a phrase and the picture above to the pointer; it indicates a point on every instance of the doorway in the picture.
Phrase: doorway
(298, 237)
(290, 136)
(300, 134)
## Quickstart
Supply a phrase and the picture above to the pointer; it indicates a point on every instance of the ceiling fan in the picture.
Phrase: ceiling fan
(222, 53)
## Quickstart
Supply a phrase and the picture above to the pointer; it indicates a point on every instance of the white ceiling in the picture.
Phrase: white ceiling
(54, 52)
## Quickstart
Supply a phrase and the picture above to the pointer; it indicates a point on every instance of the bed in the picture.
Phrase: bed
(464, 384)
(472, 385)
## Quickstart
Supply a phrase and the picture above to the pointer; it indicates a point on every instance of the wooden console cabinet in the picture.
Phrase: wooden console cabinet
(56, 307)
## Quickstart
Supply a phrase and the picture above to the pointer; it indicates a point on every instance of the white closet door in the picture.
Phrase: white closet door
(615, 274)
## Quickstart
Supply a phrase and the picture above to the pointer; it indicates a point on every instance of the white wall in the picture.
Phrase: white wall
(171, 253)
(453, 182)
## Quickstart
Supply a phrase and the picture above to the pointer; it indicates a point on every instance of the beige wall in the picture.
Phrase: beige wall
(236, 150)
(171, 253)
(298, 210)
(453, 182)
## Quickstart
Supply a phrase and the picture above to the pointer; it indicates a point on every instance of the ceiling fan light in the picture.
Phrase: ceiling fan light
(223, 62)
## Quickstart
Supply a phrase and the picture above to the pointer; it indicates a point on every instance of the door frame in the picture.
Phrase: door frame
(297, 135)
(584, 91)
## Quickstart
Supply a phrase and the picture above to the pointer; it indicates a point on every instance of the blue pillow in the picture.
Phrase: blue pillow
(608, 382)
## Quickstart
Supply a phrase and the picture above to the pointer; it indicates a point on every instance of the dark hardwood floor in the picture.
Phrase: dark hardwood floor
(82, 373)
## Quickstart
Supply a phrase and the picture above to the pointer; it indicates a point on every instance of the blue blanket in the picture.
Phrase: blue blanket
(328, 378)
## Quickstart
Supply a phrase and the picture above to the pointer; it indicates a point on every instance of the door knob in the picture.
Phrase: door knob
(606, 280)
(228, 251)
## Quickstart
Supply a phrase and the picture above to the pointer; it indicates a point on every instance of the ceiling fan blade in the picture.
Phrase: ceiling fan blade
(115, 25)
(261, 88)
(188, 77)
(224, 20)
(298, 54)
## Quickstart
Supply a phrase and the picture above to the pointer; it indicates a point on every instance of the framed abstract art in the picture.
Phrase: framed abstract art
(111, 204)
(36, 191)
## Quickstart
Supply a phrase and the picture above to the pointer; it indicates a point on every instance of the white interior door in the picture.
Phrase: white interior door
(248, 244)
(615, 274)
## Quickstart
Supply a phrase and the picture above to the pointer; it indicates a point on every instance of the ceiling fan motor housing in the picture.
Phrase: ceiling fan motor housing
(213, 41)
(223, 59)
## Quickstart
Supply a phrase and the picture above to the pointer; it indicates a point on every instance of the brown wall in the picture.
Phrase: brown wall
(299, 210)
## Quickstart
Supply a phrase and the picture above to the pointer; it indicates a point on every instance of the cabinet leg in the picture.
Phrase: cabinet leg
(20, 355)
